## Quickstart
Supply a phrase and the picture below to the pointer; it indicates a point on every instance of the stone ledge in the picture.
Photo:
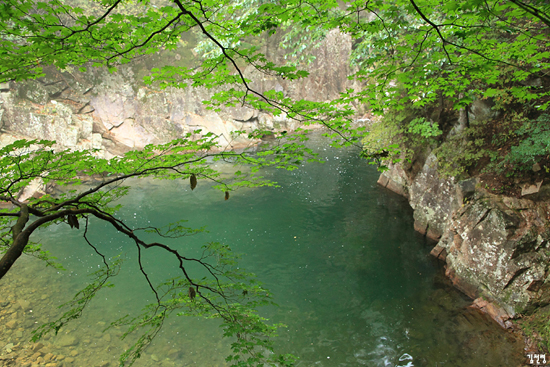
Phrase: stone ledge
(494, 311)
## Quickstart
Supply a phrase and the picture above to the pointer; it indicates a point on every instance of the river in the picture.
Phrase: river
(354, 282)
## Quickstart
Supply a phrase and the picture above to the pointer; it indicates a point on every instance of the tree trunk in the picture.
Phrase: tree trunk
(20, 241)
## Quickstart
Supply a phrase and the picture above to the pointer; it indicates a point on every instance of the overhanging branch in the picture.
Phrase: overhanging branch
(543, 17)
(434, 26)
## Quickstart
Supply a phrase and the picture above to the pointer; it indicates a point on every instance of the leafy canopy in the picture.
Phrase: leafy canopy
(405, 53)
(404, 50)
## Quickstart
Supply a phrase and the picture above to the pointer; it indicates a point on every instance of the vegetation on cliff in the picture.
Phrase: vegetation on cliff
(477, 96)
(420, 63)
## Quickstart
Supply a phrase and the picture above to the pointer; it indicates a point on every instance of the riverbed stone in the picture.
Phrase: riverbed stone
(37, 346)
(494, 311)
(24, 304)
(530, 189)
(168, 363)
(66, 341)
(12, 324)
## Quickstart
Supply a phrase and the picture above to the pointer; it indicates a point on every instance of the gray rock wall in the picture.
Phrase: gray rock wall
(495, 247)
(118, 112)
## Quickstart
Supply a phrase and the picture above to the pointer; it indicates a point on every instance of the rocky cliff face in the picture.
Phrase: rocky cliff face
(495, 247)
(117, 112)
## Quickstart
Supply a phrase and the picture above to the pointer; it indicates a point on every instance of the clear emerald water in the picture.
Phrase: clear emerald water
(355, 283)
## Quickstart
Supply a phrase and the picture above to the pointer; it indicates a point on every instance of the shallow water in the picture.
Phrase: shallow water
(354, 282)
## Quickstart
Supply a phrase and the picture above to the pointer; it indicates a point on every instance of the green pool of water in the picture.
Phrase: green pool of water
(354, 282)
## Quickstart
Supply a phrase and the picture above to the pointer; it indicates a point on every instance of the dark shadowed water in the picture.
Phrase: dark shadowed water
(354, 282)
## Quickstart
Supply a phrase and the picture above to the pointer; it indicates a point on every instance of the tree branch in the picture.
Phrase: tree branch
(434, 26)
(543, 17)
(20, 241)
(121, 178)
(89, 25)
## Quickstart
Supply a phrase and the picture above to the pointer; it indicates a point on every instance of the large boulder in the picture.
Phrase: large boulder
(433, 199)
(497, 247)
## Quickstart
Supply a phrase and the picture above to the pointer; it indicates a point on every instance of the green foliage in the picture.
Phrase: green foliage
(508, 146)
(230, 294)
(35, 249)
(424, 128)
(538, 324)
(404, 52)
(534, 143)
(173, 230)
(460, 152)
(452, 48)
(400, 134)
(456, 48)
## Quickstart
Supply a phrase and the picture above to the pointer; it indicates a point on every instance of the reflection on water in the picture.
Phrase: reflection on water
(354, 282)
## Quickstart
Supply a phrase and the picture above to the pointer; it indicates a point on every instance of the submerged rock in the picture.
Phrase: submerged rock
(12, 324)
(66, 341)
